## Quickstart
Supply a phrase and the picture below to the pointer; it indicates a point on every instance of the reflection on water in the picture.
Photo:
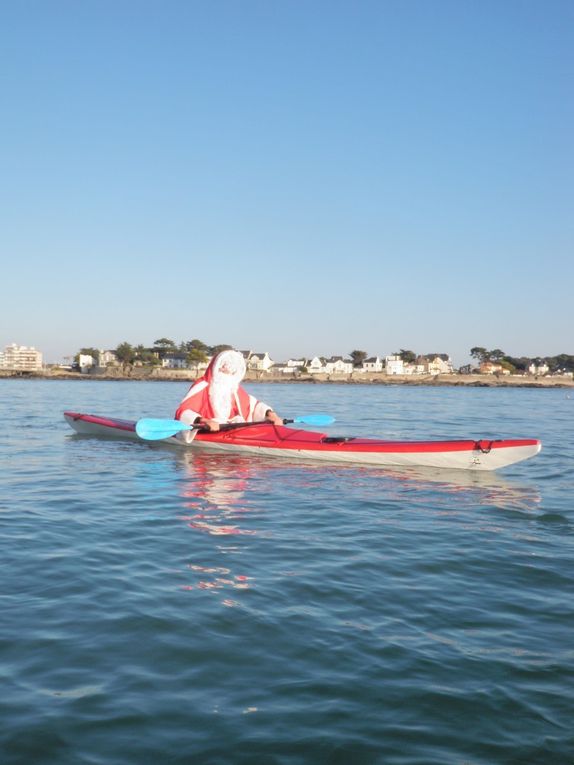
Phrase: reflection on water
(222, 483)
(480, 488)
(218, 578)
(225, 495)
(215, 494)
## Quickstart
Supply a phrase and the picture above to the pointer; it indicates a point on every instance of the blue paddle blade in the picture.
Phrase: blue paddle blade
(315, 419)
(154, 430)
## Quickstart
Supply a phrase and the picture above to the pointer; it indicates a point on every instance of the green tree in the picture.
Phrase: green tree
(145, 355)
(125, 353)
(519, 364)
(357, 357)
(478, 353)
(409, 357)
(195, 345)
(165, 344)
(215, 349)
(505, 364)
(562, 361)
(196, 356)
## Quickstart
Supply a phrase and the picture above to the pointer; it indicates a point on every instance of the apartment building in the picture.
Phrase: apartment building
(20, 357)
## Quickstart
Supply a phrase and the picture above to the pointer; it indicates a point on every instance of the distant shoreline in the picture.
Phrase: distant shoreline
(357, 378)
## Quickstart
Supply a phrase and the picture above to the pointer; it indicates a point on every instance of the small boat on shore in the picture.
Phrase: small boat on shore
(264, 438)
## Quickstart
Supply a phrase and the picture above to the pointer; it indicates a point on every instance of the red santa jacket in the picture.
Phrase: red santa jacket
(197, 402)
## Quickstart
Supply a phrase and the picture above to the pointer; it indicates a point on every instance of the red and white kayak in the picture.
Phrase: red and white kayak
(280, 441)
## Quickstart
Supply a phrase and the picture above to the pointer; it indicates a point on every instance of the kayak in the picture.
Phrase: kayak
(281, 441)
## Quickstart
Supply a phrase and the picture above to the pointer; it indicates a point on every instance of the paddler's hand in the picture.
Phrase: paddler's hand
(270, 416)
(208, 424)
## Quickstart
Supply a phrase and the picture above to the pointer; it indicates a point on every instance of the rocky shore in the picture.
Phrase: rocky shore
(357, 378)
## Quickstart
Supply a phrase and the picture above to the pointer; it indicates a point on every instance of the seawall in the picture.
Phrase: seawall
(356, 378)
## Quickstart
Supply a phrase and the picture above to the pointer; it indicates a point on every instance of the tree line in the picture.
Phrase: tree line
(195, 351)
(562, 362)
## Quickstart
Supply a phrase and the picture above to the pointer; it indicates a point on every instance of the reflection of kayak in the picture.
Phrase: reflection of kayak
(272, 440)
(222, 479)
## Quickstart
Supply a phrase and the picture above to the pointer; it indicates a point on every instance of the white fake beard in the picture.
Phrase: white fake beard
(220, 396)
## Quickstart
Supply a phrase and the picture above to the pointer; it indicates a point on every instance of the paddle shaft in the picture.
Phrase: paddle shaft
(234, 425)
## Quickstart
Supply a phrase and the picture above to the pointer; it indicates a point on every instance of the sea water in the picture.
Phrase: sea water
(160, 606)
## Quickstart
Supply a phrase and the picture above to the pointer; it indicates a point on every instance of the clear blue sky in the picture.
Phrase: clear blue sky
(303, 176)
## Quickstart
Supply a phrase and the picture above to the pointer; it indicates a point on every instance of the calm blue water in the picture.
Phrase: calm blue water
(165, 607)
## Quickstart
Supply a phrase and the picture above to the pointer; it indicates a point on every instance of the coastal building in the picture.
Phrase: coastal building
(259, 361)
(436, 365)
(108, 359)
(21, 357)
(316, 365)
(338, 365)
(292, 367)
(372, 364)
(86, 362)
(492, 368)
(538, 369)
(415, 368)
(433, 364)
(332, 366)
(174, 361)
(394, 365)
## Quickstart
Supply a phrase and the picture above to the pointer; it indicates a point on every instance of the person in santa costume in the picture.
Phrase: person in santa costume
(217, 397)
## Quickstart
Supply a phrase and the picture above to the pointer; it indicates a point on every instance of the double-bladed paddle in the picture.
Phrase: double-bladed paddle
(152, 429)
